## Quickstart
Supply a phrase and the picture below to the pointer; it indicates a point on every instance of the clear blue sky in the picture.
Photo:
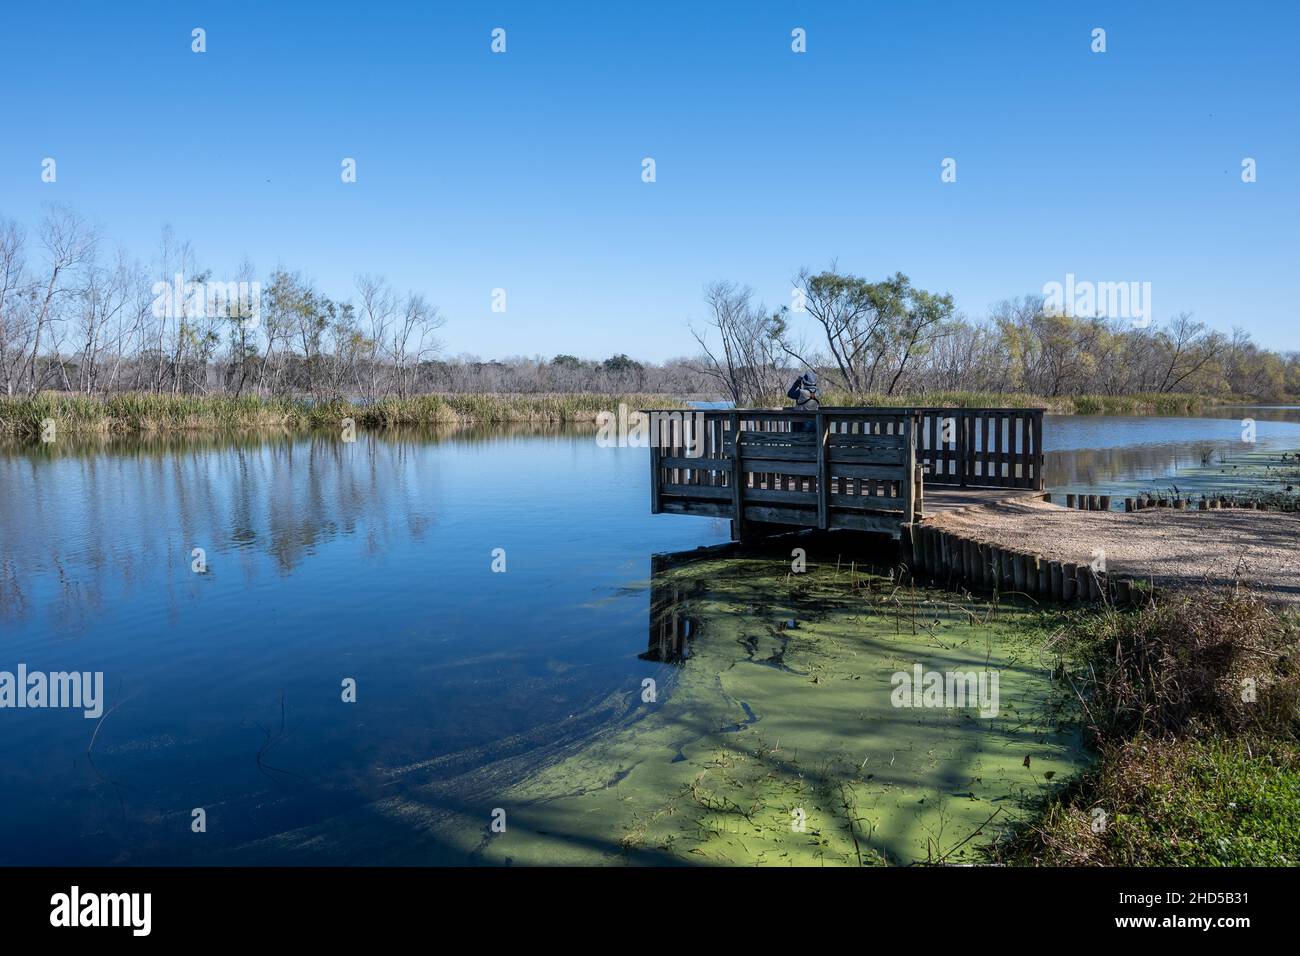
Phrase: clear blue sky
(523, 170)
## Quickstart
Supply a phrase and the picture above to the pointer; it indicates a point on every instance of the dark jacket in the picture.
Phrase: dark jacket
(803, 392)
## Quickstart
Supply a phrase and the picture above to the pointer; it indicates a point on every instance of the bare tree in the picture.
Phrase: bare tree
(413, 340)
(15, 300)
(1189, 347)
(68, 244)
(378, 308)
(744, 362)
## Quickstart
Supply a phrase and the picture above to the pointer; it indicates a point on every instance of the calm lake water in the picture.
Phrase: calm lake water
(326, 561)
(1105, 453)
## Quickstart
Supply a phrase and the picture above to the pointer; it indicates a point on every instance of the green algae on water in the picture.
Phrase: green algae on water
(1270, 477)
(774, 738)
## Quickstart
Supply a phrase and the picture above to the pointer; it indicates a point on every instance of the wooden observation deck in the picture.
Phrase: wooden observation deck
(867, 469)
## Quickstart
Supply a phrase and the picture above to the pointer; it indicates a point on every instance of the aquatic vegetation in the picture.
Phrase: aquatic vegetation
(145, 413)
(774, 736)
(134, 412)
(1268, 478)
(1137, 404)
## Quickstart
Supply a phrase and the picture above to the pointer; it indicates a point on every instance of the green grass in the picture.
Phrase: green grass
(1193, 769)
(1211, 802)
(145, 413)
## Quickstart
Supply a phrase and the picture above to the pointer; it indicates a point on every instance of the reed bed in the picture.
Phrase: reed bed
(145, 413)
(1138, 404)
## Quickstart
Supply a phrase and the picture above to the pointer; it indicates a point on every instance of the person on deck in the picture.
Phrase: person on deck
(804, 395)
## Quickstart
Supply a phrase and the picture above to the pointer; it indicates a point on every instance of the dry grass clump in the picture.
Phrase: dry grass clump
(1193, 703)
(1193, 662)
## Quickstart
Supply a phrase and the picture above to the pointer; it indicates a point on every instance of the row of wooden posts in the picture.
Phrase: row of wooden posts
(951, 558)
(1142, 502)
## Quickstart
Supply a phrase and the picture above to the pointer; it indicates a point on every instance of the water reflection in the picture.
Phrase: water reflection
(328, 560)
(672, 627)
(325, 560)
(1104, 453)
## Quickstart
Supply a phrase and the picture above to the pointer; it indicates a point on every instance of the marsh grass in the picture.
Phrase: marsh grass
(1192, 703)
(1179, 666)
(1138, 404)
(145, 413)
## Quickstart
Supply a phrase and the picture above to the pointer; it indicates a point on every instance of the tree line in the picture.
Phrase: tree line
(889, 338)
(78, 315)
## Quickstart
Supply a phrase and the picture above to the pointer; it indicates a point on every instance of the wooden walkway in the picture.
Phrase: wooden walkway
(866, 469)
(942, 498)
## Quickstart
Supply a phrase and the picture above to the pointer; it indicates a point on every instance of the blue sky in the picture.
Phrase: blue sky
(523, 170)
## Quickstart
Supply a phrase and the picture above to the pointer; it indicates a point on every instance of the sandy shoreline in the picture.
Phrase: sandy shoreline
(1216, 547)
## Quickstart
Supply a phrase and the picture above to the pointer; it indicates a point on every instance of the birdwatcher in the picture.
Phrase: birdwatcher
(804, 395)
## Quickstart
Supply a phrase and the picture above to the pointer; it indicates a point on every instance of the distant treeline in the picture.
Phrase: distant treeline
(77, 316)
(886, 339)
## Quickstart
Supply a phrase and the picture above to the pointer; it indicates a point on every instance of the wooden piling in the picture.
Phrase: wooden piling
(1082, 576)
(1069, 582)
(1069, 501)
(1105, 502)
(1054, 573)
(1123, 592)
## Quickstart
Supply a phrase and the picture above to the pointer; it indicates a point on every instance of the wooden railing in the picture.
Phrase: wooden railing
(835, 468)
(982, 447)
(860, 468)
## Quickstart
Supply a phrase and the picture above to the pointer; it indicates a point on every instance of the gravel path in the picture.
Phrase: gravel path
(1258, 547)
